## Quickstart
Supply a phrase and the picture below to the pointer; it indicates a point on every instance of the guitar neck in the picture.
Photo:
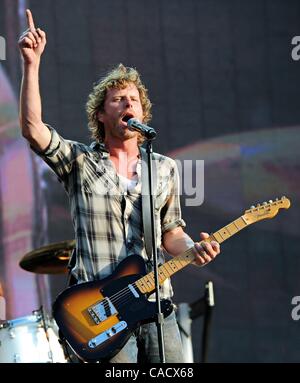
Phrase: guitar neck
(146, 284)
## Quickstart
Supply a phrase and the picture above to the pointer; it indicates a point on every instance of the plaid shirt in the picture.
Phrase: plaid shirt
(107, 215)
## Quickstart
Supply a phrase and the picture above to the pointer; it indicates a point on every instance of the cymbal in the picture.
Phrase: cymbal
(50, 259)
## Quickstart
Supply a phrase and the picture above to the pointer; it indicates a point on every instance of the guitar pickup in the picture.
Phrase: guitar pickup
(102, 310)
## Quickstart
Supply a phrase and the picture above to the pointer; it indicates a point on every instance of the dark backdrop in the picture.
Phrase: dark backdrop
(214, 69)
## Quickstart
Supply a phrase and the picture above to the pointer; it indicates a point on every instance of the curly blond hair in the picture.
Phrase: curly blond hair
(119, 77)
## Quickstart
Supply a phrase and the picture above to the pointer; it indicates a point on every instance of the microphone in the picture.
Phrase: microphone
(147, 131)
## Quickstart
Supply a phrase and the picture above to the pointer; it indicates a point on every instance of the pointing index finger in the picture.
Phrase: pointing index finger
(30, 20)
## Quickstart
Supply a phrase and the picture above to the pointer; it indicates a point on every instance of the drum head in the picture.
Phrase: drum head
(30, 339)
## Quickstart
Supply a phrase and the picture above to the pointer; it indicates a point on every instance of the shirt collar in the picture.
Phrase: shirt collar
(100, 148)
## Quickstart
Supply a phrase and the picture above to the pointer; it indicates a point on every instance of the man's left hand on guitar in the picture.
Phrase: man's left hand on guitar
(205, 251)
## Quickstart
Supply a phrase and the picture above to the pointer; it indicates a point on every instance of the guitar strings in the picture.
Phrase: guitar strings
(115, 298)
(126, 294)
(123, 295)
(119, 298)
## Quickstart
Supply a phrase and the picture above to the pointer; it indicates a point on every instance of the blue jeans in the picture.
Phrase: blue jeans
(143, 347)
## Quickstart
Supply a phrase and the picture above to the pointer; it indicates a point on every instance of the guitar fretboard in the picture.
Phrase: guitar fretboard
(146, 284)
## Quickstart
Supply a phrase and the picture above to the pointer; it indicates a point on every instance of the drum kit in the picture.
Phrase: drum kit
(34, 338)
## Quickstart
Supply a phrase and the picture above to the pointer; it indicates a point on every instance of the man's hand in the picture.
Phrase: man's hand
(32, 42)
(205, 251)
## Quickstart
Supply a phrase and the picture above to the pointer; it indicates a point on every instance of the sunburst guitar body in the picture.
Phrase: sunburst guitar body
(97, 318)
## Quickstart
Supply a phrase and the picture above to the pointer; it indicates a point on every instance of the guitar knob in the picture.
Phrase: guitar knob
(109, 334)
(276, 199)
(252, 207)
(258, 205)
(270, 201)
(265, 203)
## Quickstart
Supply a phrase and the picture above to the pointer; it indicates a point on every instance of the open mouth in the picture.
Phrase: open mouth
(127, 117)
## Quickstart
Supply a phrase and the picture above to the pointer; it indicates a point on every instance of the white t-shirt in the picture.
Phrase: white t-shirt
(128, 184)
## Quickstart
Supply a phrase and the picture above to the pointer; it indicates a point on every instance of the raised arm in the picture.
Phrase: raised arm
(32, 44)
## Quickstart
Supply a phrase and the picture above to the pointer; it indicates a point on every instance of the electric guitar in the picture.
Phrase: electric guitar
(97, 318)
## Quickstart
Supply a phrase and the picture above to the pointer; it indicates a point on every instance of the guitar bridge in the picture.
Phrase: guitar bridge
(102, 310)
(106, 335)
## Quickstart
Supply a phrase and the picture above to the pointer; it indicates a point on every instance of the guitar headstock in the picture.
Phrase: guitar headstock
(266, 210)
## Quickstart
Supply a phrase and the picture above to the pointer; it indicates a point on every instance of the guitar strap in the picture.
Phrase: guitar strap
(71, 280)
(146, 206)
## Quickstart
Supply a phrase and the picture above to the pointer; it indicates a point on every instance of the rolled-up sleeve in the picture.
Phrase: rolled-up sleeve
(59, 155)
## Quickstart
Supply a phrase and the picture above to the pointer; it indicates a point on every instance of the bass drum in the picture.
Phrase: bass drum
(30, 339)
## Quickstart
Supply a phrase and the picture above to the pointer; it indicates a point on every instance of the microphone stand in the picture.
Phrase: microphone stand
(159, 315)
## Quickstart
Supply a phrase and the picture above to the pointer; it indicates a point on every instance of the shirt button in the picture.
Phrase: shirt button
(129, 241)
